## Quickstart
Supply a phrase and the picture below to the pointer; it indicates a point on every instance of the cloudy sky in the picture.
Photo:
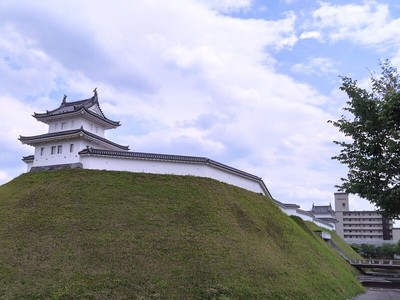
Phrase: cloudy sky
(247, 83)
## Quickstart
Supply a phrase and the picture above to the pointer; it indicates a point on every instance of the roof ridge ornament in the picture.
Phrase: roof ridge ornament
(64, 100)
(95, 92)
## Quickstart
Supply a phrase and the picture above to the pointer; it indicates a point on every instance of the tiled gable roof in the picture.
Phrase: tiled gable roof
(322, 209)
(86, 105)
(32, 140)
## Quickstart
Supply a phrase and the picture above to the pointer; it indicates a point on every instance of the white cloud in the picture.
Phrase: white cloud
(316, 66)
(4, 176)
(369, 23)
(310, 35)
(228, 5)
(357, 203)
(17, 121)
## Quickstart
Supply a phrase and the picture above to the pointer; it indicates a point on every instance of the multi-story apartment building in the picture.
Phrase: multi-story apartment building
(361, 226)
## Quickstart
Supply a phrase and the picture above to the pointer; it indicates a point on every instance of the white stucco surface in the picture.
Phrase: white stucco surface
(170, 167)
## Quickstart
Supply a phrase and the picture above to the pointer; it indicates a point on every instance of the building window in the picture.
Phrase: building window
(59, 149)
(41, 151)
(71, 148)
(343, 204)
(63, 125)
(53, 149)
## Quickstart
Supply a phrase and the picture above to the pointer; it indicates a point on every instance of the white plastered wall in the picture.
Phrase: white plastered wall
(76, 123)
(170, 167)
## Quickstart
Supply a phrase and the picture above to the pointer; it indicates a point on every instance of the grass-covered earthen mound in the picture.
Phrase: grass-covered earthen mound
(81, 234)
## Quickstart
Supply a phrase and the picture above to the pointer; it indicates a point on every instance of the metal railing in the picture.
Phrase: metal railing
(374, 262)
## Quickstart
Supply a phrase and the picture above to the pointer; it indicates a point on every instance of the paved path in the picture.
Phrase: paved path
(379, 294)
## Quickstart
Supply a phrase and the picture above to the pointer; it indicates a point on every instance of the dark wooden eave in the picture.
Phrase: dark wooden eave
(37, 139)
(28, 158)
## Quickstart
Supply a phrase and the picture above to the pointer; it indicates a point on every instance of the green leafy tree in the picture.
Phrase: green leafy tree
(388, 250)
(367, 250)
(371, 150)
(356, 247)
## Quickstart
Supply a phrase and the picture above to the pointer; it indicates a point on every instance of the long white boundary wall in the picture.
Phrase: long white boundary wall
(207, 168)
(294, 210)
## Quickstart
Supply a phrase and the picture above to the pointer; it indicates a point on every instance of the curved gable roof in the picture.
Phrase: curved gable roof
(322, 209)
(37, 139)
(90, 106)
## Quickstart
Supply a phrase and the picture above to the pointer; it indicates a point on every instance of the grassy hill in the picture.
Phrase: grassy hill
(338, 241)
(82, 234)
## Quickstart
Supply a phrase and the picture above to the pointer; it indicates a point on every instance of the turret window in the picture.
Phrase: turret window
(71, 148)
(41, 151)
(53, 149)
(59, 149)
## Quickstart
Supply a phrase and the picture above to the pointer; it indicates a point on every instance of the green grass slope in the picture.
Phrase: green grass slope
(339, 242)
(81, 234)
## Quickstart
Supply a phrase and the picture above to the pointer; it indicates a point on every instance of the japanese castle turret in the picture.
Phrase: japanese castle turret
(73, 126)
(76, 139)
